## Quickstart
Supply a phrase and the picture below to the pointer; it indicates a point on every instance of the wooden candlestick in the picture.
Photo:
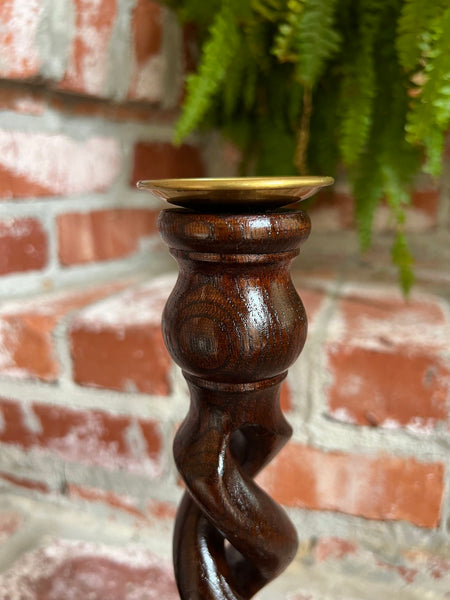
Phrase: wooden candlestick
(234, 323)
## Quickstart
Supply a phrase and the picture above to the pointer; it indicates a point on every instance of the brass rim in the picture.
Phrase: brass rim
(235, 183)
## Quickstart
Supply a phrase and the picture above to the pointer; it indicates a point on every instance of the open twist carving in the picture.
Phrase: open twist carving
(234, 323)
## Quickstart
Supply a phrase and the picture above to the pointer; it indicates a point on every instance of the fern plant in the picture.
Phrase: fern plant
(307, 85)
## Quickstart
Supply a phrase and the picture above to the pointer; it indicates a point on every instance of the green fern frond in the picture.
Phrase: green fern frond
(217, 54)
(323, 148)
(194, 10)
(284, 41)
(430, 112)
(368, 192)
(268, 10)
(413, 27)
(317, 40)
(358, 87)
(249, 90)
(367, 83)
(403, 260)
(277, 149)
(308, 38)
(236, 78)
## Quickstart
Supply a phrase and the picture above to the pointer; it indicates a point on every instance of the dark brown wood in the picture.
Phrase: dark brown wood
(234, 323)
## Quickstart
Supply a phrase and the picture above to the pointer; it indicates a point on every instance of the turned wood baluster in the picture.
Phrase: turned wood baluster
(234, 323)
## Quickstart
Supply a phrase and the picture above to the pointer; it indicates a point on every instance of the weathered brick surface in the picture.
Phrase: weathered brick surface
(23, 482)
(159, 160)
(19, 56)
(376, 487)
(118, 344)
(67, 167)
(333, 548)
(349, 569)
(128, 111)
(28, 102)
(312, 299)
(388, 362)
(334, 210)
(27, 345)
(103, 234)
(373, 361)
(88, 63)
(91, 437)
(80, 570)
(23, 246)
(148, 64)
(326, 568)
(285, 397)
(154, 509)
(10, 522)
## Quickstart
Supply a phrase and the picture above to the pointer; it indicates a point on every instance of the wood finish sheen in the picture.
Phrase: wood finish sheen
(234, 323)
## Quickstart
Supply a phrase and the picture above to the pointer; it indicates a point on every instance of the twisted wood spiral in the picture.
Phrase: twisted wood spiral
(234, 323)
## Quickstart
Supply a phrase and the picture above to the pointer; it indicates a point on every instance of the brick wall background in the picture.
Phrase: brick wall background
(89, 398)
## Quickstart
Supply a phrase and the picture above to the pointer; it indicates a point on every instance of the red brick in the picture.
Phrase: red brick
(28, 484)
(103, 234)
(88, 63)
(334, 210)
(375, 487)
(147, 69)
(151, 435)
(118, 344)
(333, 548)
(19, 20)
(388, 364)
(190, 47)
(90, 436)
(80, 570)
(160, 160)
(421, 214)
(312, 301)
(22, 101)
(120, 502)
(10, 522)
(155, 509)
(285, 397)
(26, 330)
(437, 566)
(67, 166)
(23, 246)
(407, 574)
(161, 510)
(128, 111)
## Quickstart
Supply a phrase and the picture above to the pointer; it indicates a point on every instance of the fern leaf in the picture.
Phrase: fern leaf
(235, 80)
(317, 40)
(195, 11)
(269, 10)
(413, 25)
(368, 191)
(358, 88)
(218, 52)
(284, 40)
(402, 258)
(429, 117)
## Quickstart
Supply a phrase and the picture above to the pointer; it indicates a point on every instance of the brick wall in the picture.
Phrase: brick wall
(89, 398)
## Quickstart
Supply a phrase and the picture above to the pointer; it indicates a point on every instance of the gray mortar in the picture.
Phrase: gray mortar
(54, 37)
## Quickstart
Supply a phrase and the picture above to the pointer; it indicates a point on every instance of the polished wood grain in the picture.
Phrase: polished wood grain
(234, 323)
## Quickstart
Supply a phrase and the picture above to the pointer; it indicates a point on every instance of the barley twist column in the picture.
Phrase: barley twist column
(234, 323)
